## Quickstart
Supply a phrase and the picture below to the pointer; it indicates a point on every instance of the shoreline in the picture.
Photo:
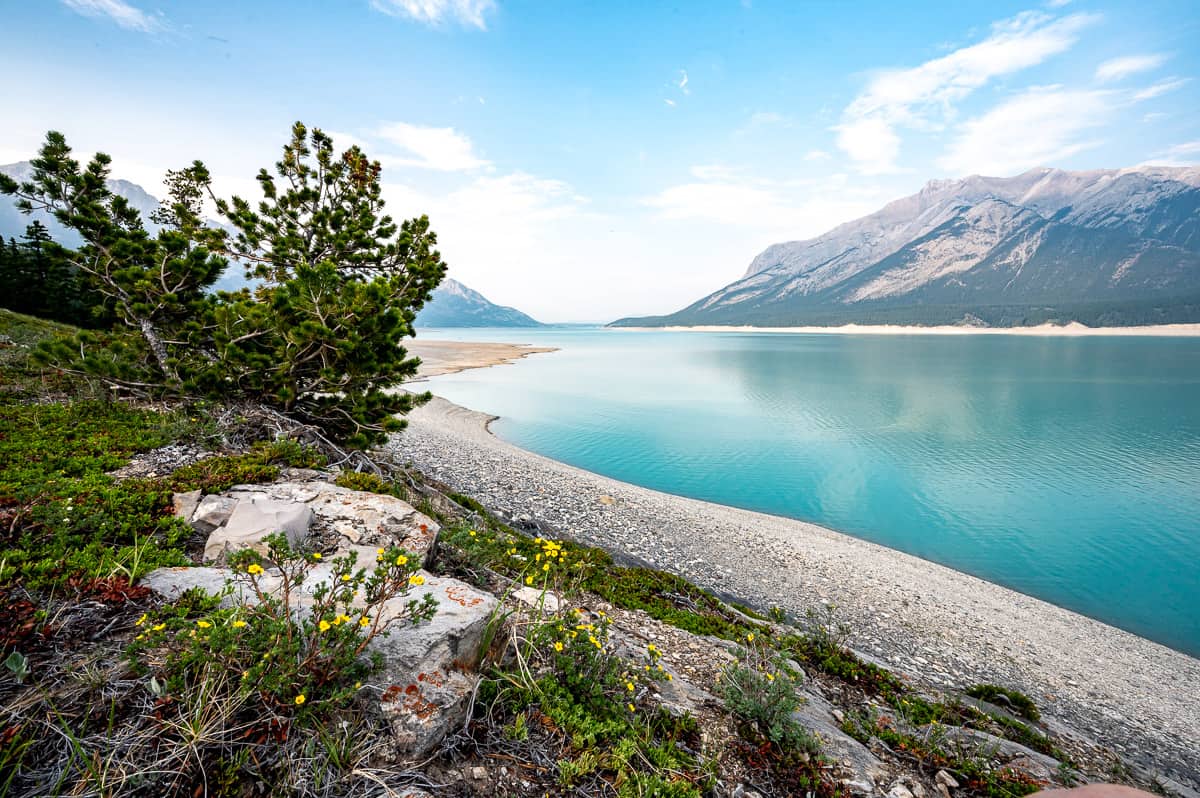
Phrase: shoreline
(1072, 330)
(934, 624)
(449, 357)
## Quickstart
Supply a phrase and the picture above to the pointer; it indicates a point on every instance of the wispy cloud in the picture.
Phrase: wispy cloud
(1123, 67)
(721, 195)
(923, 97)
(1039, 127)
(1162, 87)
(683, 81)
(439, 148)
(118, 11)
(472, 13)
(1185, 154)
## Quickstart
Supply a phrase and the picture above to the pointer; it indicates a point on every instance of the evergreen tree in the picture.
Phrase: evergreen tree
(318, 341)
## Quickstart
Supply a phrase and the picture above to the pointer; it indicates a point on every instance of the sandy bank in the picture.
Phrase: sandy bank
(1072, 330)
(937, 625)
(447, 357)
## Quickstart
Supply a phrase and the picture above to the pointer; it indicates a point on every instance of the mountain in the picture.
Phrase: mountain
(1103, 247)
(13, 222)
(455, 305)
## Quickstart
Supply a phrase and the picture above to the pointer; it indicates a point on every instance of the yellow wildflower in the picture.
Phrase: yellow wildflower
(255, 569)
(345, 577)
(300, 699)
(158, 627)
(558, 646)
(529, 579)
(364, 621)
(546, 567)
(750, 637)
(203, 624)
(770, 677)
(141, 620)
(472, 533)
(323, 625)
(238, 624)
(316, 555)
(358, 685)
(416, 579)
(629, 686)
(632, 708)
(401, 560)
(245, 674)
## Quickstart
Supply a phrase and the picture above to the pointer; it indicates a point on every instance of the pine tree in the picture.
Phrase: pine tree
(318, 340)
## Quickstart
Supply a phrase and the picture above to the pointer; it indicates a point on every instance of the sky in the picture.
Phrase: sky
(585, 161)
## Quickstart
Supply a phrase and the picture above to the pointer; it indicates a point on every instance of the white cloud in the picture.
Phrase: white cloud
(670, 103)
(924, 96)
(435, 12)
(778, 210)
(118, 11)
(440, 148)
(1150, 92)
(871, 142)
(1039, 127)
(683, 81)
(817, 155)
(1121, 68)
(1185, 154)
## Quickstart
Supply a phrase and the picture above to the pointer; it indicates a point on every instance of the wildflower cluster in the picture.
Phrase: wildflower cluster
(762, 692)
(314, 661)
(537, 562)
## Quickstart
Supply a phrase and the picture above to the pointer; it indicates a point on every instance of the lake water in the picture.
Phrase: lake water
(1065, 468)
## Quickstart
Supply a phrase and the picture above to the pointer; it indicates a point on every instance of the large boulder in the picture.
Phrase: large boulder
(428, 676)
(327, 516)
(862, 769)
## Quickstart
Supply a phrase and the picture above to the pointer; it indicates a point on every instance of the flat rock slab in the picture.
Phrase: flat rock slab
(863, 769)
(244, 514)
(252, 520)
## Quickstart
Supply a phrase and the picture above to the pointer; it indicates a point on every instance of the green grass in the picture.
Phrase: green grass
(63, 518)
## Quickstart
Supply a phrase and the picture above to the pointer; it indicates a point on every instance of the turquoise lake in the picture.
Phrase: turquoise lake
(1065, 468)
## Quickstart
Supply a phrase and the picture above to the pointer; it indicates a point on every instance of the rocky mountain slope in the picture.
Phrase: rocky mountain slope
(1102, 246)
(455, 305)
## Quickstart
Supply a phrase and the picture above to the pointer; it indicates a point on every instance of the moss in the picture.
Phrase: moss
(260, 464)
(1006, 697)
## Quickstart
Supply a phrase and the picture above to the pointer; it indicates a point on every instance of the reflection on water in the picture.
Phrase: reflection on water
(1065, 468)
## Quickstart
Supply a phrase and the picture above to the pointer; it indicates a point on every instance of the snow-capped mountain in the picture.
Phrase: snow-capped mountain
(455, 305)
(1103, 246)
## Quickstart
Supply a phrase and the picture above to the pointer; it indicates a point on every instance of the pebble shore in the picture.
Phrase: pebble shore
(935, 625)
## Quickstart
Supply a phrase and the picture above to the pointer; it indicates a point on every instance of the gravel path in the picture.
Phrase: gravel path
(934, 624)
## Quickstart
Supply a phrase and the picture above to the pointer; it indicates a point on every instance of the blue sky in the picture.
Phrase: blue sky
(584, 161)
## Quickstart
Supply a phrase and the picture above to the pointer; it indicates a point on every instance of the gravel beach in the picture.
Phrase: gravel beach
(936, 625)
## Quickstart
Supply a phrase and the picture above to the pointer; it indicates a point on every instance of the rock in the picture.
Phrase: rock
(898, 790)
(353, 517)
(942, 790)
(973, 741)
(252, 520)
(680, 697)
(185, 504)
(479, 773)
(816, 715)
(946, 779)
(171, 583)
(531, 596)
(1031, 768)
(426, 667)
(1173, 788)
(212, 512)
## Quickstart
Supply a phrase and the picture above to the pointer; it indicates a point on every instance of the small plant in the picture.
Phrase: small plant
(761, 693)
(1005, 697)
(285, 663)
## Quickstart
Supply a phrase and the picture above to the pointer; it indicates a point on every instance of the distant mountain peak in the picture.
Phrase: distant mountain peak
(455, 305)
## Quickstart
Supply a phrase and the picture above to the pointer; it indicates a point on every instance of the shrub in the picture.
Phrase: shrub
(761, 693)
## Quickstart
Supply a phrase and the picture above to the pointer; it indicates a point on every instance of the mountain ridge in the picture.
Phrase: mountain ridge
(1116, 246)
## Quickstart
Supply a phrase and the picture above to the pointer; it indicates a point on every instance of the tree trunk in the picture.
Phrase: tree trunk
(159, 350)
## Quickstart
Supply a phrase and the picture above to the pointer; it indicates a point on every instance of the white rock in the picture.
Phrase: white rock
(255, 518)
(532, 597)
